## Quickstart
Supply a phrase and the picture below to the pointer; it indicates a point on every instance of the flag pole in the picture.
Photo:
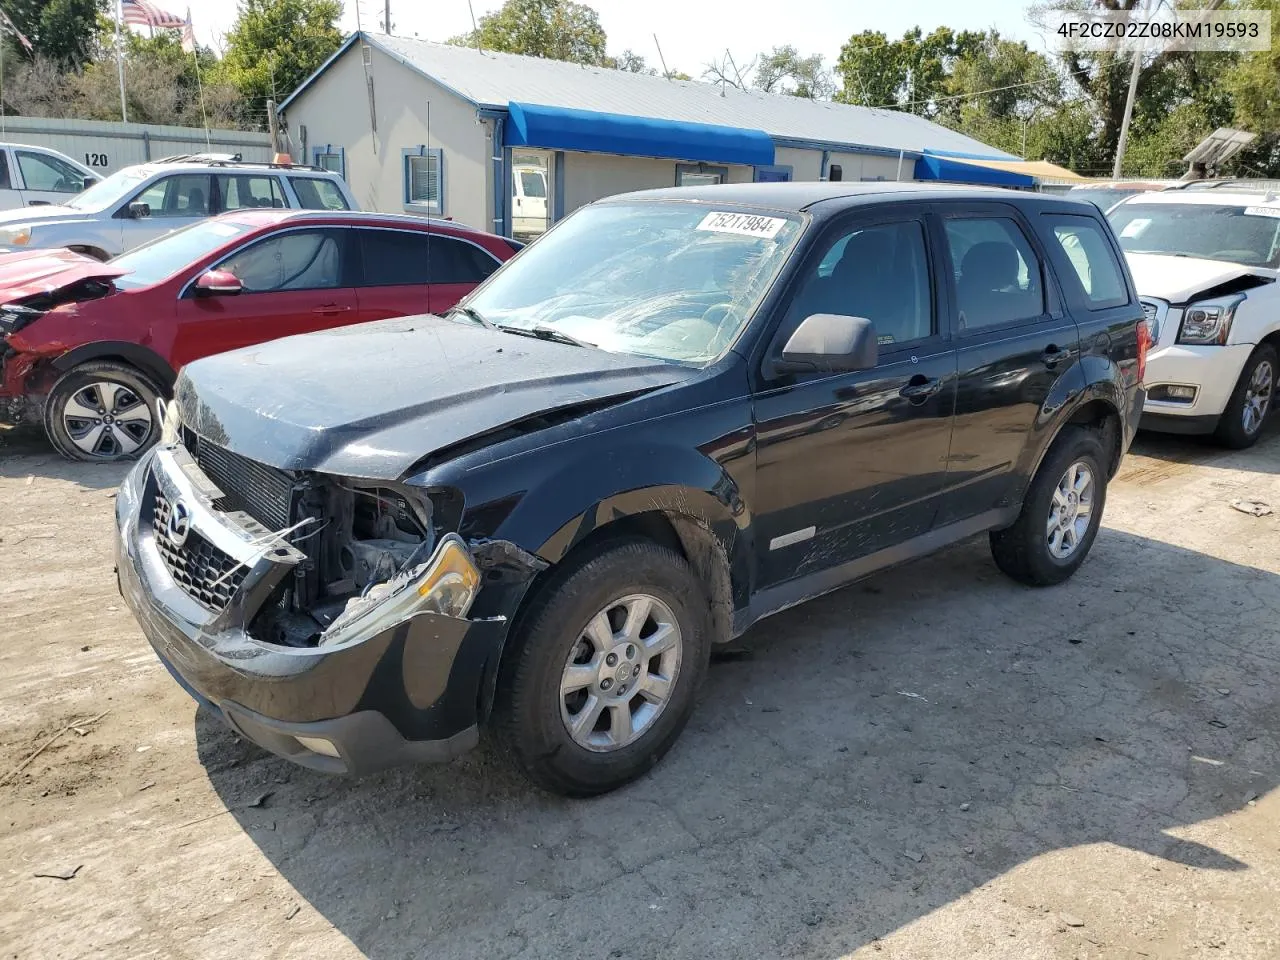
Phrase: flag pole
(189, 44)
(124, 109)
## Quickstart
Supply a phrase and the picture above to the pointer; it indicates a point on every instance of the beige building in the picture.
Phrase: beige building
(511, 144)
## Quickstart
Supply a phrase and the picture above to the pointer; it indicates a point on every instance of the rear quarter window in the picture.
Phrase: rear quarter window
(1087, 261)
(315, 193)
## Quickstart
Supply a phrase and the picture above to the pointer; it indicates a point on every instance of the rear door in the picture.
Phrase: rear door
(1015, 339)
(295, 281)
(408, 272)
(247, 191)
(176, 201)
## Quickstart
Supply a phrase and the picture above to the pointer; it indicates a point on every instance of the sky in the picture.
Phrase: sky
(691, 34)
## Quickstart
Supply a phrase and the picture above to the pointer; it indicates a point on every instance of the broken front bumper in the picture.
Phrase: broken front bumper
(407, 694)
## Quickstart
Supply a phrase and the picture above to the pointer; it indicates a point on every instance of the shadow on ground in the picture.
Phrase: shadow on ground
(814, 803)
(24, 452)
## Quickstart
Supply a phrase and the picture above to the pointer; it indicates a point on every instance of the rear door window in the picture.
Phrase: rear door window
(398, 257)
(1092, 262)
(245, 191)
(317, 194)
(997, 273)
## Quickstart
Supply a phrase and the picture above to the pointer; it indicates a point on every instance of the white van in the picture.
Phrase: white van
(34, 176)
(529, 196)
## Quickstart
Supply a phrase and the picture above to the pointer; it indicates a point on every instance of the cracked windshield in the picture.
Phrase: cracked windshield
(675, 281)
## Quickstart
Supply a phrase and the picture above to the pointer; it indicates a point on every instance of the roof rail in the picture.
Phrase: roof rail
(236, 160)
(1238, 184)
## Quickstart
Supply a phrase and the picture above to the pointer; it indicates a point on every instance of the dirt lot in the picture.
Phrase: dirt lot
(934, 763)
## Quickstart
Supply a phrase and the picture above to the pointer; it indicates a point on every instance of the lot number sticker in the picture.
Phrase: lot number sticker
(1262, 211)
(746, 224)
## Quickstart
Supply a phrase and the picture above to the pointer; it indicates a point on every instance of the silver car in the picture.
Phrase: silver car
(143, 202)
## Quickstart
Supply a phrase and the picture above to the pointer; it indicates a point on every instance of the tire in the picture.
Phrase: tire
(1232, 430)
(1032, 550)
(122, 396)
(532, 716)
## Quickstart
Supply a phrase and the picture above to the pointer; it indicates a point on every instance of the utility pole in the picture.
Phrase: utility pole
(1123, 142)
(386, 17)
(273, 127)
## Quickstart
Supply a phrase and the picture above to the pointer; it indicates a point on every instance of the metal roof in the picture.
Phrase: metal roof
(492, 80)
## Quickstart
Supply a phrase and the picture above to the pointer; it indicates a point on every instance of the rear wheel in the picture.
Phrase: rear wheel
(1060, 514)
(102, 412)
(602, 676)
(1241, 422)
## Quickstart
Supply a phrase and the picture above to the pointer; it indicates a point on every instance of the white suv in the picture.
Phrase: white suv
(143, 202)
(1205, 260)
(35, 176)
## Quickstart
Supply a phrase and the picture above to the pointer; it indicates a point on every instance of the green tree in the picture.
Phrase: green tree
(63, 31)
(552, 29)
(785, 70)
(276, 44)
(631, 62)
(875, 71)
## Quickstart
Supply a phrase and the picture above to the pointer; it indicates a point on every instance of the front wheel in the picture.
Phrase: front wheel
(602, 676)
(102, 412)
(1241, 423)
(1060, 514)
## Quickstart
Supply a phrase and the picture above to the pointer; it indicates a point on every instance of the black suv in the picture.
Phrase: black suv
(678, 412)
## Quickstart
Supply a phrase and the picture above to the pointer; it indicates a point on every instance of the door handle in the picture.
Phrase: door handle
(920, 388)
(1053, 355)
(329, 309)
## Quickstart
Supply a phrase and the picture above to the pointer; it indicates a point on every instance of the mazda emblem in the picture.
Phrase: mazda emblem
(179, 523)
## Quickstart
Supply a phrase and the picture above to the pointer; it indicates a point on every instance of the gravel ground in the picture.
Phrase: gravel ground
(934, 763)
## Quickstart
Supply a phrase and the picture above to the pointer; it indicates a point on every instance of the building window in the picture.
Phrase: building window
(331, 158)
(700, 174)
(424, 180)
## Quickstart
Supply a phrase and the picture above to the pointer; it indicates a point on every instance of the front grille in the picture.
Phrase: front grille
(262, 492)
(203, 571)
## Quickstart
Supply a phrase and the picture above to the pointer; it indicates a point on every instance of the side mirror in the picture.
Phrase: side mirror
(139, 210)
(218, 283)
(89, 181)
(829, 343)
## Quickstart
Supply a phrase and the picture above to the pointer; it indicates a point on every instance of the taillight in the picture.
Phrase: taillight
(1144, 344)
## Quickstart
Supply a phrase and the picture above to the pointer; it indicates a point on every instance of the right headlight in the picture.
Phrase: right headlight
(1208, 322)
(446, 584)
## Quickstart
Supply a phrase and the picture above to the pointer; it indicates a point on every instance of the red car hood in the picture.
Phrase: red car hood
(29, 272)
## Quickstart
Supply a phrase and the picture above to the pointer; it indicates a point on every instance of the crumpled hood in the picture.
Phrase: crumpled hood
(371, 400)
(1179, 279)
(29, 272)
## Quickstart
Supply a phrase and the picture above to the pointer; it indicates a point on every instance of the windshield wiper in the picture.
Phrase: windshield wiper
(545, 333)
(471, 313)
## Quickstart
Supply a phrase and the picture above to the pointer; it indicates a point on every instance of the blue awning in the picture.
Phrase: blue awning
(562, 128)
(934, 167)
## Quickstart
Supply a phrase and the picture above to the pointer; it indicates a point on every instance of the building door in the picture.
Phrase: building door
(532, 180)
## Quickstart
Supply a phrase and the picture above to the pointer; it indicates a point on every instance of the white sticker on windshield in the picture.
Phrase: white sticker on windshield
(1134, 228)
(1262, 212)
(746, 224)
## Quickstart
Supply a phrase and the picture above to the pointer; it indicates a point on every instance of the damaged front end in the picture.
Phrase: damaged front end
(333, 621)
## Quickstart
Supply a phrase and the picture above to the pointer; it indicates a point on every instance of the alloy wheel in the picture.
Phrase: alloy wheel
(106, 420)
(621, 673)
(1070, 511)
(1257, 397)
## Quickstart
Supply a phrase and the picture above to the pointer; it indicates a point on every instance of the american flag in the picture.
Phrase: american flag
(140, 13)
(6, 23)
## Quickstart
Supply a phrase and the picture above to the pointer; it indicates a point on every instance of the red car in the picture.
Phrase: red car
(88, 347)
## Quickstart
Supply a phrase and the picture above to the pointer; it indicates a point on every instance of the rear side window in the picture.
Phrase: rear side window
(1093, 263)
(997, 273)
(4, 171)
(316, 194)
(185, 195)
(295, 260)
(397, 257)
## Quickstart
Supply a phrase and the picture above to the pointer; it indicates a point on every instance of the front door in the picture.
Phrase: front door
(1014, 341)
(47, 179)
(175, 201)
(849, 464)
(294, 281)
